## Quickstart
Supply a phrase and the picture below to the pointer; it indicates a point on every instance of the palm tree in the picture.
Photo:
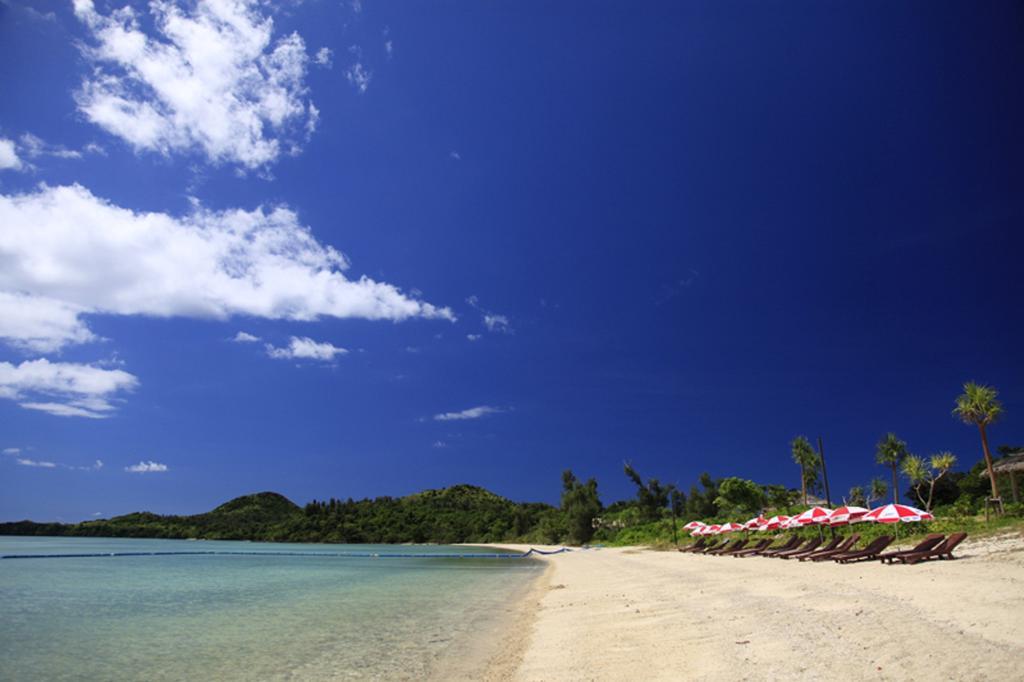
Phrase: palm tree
(807, 458)
(919, 473)
(891, 451)
(877, 489)
(978, 405)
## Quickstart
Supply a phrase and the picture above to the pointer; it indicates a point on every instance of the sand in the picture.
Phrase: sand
(636, 614)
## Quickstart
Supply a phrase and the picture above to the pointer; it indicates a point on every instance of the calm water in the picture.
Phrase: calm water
(242, 617)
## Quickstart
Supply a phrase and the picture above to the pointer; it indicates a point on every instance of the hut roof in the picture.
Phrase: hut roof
(1007, 464)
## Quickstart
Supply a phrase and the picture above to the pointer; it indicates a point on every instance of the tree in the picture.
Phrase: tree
(877, 489)
(919, 473)
(580, 505)
(701, 504)
(677, 503)
(979, 405)
(739, 496)
(807, 458)
(891, 451)
(651, 497)
(856, 497)
(779, 496)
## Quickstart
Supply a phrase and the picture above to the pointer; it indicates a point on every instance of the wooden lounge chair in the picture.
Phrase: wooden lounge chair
(845, 546)
(929, 542)
(793, 543)
(700, 544)
(735, 546)
(759, 547)
(833, 544)
(943, 551)
(869, 553)
(811, 545)
(713, 546)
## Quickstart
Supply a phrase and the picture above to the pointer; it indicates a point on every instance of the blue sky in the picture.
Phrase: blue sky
(484, 242)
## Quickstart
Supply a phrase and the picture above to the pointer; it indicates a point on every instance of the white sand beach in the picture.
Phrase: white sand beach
(636, 614)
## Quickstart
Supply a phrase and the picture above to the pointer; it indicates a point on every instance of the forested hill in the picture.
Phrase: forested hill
(461, 513)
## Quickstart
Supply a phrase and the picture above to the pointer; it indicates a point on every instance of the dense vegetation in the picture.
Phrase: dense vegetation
(465, 513)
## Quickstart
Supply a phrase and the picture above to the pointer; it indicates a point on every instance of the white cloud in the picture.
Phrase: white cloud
(305, 348)
(149, 467)
(211, 81)
(454, 155)
(35, 463)
(245, 337)
(72, 390)
(493, 321)
(439, 444)
(357, 6)
(35, 147)
(39, 323)
(9, 155)
(497, 323)
(389, 47)
(473, 337)
(470, 413)
(324, 57)
(65, 253)
(12, 451)
(359, 76)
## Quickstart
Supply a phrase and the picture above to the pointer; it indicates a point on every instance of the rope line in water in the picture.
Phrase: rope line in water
(340, 555)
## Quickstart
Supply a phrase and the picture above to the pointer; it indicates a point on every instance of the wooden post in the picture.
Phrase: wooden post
(1013, 486)
(824, 474)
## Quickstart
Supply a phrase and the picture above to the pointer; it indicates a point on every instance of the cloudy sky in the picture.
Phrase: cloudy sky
(362, 248)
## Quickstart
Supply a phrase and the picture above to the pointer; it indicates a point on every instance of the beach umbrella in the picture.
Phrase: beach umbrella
(775, 522)
(814, 515)
(730, 527)
(793, 522)
(846, 514)
(694, 525)
(755, 523)
(893, 513)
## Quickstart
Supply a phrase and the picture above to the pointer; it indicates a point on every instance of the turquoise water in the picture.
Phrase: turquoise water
(243, 617)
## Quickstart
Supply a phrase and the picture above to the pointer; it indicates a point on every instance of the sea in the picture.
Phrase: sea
(318, 612)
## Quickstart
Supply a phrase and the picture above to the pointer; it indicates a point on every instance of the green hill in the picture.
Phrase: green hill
(461, 513)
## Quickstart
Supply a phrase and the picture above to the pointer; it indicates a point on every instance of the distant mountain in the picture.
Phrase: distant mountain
(461, 513)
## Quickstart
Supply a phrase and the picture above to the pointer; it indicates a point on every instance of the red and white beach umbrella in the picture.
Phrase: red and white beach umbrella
(775, 522)
(793, 522)
(755, 523)
(713, 529)
(694, 525)
(814, 515)
(893, 513)
(730, 527)
(845, 515)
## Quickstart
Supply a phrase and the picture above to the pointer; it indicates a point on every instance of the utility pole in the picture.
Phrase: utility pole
(824, 471)
(824, 474)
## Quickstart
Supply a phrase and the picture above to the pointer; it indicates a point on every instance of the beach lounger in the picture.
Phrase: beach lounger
(759, 547)
(943, 551)
(929, 542)
(714, 546)
(735, 546)
(833, 544)
(845, 546)
(869, 553)
(700, 544)
(809, 547)
(793, 543)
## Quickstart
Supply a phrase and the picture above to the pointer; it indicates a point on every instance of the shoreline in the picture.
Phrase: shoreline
(495, 653)
(633, 613)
